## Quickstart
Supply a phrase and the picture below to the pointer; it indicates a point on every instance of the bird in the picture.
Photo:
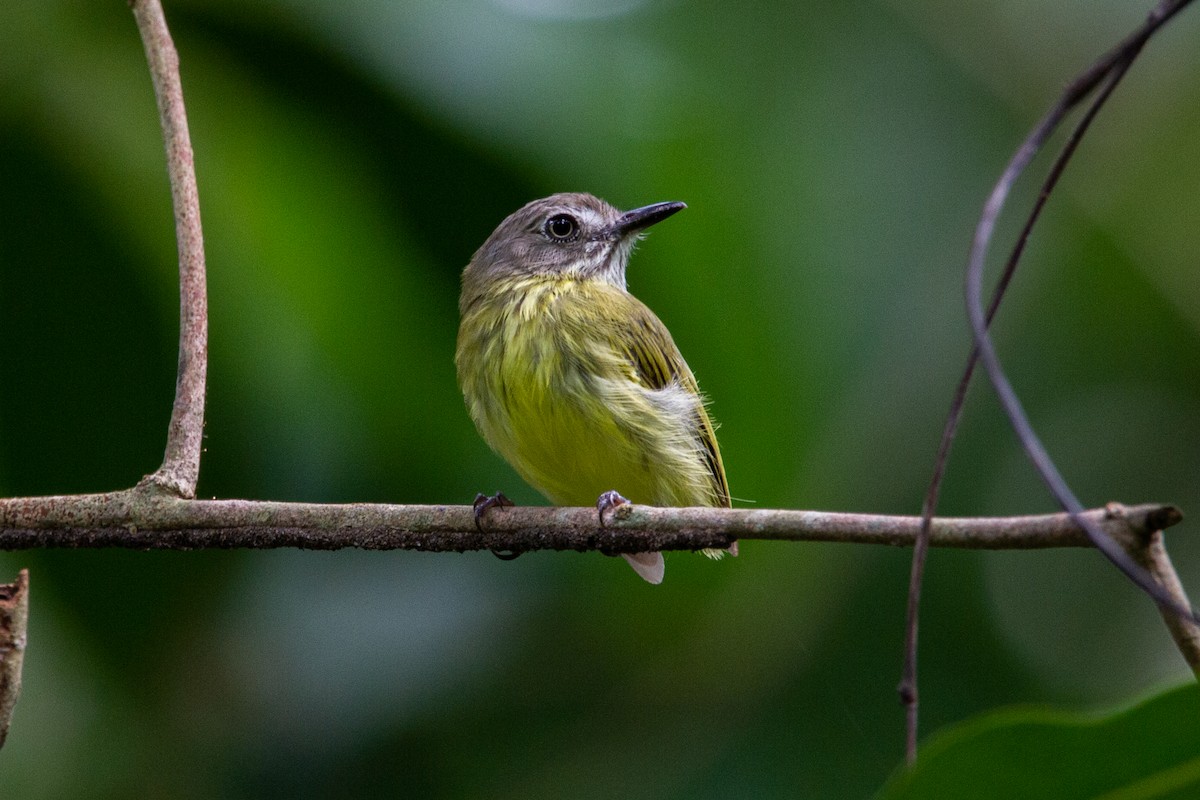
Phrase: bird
(573, 380)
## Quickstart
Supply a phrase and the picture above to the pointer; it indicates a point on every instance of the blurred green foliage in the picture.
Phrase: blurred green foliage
(1038, 755)
(351, 157)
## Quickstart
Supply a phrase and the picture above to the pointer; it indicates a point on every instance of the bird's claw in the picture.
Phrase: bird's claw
(481, 505)
(608, 503)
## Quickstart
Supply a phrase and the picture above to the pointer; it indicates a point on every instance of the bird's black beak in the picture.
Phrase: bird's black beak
(642, 218)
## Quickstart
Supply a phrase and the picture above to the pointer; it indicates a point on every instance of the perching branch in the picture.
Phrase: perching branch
(181, 463)
(150, 521)
(142, 521)
(1108, 71)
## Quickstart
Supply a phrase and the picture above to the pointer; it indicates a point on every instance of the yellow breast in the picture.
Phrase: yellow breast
(551, 388)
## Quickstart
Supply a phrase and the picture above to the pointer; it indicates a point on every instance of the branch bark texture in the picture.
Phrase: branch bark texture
(141, 520)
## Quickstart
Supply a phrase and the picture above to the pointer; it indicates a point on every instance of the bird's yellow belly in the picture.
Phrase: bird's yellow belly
(554, 426)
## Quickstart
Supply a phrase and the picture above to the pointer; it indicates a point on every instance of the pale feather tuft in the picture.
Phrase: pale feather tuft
(717, 553)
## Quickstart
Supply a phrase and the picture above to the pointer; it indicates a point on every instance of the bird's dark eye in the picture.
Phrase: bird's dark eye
(562, 228)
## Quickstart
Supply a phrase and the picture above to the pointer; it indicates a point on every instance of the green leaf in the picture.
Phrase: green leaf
(1151, 750)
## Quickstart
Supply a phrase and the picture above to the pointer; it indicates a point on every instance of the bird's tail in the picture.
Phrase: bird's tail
(649, 565)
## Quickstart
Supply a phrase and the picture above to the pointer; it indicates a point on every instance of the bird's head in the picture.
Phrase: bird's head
(570, 235)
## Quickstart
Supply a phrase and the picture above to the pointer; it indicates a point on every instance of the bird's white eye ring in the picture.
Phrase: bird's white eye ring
(562, 228)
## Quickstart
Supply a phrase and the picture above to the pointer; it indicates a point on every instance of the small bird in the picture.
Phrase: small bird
(572, 379)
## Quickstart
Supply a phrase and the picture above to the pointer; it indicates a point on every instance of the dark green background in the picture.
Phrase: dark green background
(351, 157)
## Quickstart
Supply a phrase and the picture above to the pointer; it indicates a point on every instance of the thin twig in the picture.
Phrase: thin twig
(181, 463)
(14, 621)
(1110, 68)
(987, 352)
(139, 521)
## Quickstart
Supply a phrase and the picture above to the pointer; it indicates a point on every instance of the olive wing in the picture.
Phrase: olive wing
(648, 345)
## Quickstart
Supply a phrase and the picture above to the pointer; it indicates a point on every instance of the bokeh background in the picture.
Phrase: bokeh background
(351, 156)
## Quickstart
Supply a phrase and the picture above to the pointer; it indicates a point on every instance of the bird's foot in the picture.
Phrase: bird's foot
(481, 505)
(649, 565)
(607, 505)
